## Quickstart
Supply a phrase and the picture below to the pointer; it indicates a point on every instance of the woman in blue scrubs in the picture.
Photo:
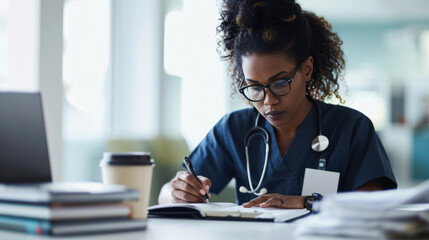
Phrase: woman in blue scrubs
(285, 62)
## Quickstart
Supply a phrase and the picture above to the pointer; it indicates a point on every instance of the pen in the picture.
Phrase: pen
(191, 170)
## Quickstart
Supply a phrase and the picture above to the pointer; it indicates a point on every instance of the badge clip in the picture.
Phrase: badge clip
(322, 164)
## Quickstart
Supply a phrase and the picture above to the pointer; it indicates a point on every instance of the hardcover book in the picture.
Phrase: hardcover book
(65, 212)
(67, 228)
(73, 192)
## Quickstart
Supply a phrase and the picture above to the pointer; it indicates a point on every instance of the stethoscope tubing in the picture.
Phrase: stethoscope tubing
(319, 144)
(253, 190)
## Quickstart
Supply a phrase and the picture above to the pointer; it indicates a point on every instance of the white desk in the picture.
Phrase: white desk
(187, 229)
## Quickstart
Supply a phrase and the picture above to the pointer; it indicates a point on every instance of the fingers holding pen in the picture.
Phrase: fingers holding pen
(185, 188)
(184, 193)
(206, 183)
(202, 187)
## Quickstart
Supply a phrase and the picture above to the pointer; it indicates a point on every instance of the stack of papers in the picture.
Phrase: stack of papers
(402, 213)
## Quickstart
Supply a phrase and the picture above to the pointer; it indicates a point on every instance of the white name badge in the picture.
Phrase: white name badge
(320, 181)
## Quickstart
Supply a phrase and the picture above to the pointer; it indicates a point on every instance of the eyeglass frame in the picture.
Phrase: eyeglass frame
(264, 87)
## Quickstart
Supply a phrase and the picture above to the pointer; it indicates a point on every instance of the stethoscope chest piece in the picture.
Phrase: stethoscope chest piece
(320, 143)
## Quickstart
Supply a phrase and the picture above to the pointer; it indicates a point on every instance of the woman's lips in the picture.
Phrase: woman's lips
(274, 115)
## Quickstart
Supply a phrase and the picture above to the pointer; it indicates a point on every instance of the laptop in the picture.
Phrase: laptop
(24, 156)
(25, 173)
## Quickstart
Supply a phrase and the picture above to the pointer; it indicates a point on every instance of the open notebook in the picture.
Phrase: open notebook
(224, 210)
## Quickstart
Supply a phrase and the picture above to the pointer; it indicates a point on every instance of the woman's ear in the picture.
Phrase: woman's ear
(308, 68)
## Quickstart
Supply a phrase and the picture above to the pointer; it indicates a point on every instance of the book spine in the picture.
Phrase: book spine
(25, 225)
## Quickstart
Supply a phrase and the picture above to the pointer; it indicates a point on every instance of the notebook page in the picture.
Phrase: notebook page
(276, 214)
(202, 208)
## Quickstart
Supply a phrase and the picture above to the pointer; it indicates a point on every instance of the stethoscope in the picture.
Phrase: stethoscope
(319, 144)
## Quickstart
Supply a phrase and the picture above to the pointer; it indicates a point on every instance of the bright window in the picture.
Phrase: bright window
(86, 59)
(4, 7)
(190, 53)
(18, 45)
(85, 66)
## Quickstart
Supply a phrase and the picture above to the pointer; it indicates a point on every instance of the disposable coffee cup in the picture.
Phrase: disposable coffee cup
(133, 170)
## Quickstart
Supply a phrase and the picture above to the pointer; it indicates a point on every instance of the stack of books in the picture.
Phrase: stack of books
(63, 209)
(391, 214)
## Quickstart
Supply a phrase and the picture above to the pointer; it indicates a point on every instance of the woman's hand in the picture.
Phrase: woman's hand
(186, 189)
(276, 200)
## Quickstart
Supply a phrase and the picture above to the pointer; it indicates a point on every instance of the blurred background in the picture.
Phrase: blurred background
(144, 75)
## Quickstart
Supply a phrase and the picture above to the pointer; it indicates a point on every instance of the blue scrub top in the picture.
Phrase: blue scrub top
(355, 151)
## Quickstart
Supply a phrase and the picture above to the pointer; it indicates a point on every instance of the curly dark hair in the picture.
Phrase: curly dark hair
(266, 26)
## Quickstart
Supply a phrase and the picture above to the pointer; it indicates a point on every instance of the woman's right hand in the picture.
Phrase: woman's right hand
(186, 189)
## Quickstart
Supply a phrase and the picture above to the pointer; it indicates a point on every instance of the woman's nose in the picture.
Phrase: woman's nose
(270, 98)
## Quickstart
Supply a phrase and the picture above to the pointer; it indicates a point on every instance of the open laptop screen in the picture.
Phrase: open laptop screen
(24, 156)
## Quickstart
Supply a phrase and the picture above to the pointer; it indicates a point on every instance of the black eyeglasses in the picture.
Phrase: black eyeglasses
(279, 87)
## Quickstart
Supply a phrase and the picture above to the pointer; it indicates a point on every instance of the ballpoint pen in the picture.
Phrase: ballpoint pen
(191, 170)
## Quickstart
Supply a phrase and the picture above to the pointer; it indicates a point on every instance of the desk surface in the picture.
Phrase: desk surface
(187, 229)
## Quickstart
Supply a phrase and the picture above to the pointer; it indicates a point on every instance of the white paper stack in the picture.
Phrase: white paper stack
(401, 213)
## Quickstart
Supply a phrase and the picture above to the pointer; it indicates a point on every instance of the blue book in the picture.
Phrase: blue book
(67, 228)
(24, 225)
